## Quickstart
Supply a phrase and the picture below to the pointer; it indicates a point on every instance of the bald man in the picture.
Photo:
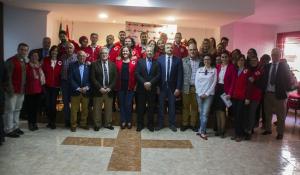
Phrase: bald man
(276, 84)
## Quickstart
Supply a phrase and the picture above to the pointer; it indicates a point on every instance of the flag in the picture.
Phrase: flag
(67, 31)
(60, 26)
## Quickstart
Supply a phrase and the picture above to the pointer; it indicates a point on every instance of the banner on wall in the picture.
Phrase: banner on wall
(134, 29)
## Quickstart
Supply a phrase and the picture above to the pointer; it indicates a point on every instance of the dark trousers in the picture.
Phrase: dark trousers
(2, 133)
(33, 103)
(166, 93)
(239, 117)
(66, 96)
(51, 98)
(251, 115)
(125, 98)
(143, 99)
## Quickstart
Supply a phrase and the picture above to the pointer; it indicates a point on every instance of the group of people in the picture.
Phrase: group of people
(94, 78)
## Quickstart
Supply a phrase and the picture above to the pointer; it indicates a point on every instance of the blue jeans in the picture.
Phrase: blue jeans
(166, 92)
(204, 107)
(65, 89)
(125, 98)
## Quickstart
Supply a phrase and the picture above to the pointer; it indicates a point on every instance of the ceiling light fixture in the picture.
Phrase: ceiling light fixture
(102, 15)
(138, 3)
(170, 18)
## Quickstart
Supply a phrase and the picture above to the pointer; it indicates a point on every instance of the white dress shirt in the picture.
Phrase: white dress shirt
(222, 74)
(271, 88)
(106, 65)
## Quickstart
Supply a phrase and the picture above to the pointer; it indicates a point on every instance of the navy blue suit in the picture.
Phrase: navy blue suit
(168, 87)
(75, 79)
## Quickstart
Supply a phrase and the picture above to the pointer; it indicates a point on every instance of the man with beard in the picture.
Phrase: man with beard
(115, 50)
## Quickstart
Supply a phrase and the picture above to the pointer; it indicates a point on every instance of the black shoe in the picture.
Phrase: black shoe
(194, 128)
(30, 127)
(96, 128)
(233, 137)
(35, 127)
(151, 129)
(183, 128)
(139, 129)
(123, 125)
(158, 128)
(19, 131)
(53, 126)
(12, 135)
(173, 128)
(223, 136)
(129, 125)
(279, 137)
(217, 134)
(48, 125)
(266, 133)
(110, 127)
(73, 129)
(248, 137)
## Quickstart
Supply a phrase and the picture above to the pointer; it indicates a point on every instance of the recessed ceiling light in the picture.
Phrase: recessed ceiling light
(102, 15)
(114, 21)
(138, 3)
(170, 18)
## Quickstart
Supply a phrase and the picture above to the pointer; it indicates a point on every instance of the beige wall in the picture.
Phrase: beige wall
(78, 29)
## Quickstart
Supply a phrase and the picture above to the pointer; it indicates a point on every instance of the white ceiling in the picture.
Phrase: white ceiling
(189, 13)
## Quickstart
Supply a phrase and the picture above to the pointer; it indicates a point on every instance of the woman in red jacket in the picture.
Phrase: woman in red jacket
(226, 75)
(35, 79)
(126, 85)
(52, 69)
(253, 94)
(239, 96)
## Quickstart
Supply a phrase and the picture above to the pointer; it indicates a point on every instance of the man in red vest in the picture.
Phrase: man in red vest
(93, 49)
(62, 46)
(14, 91)
(179, 50)
(115, 51)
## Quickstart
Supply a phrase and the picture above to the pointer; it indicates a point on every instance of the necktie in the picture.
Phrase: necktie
(168, 68)
(149, 65)
(105, 75)
(273, 74)
(205, 73)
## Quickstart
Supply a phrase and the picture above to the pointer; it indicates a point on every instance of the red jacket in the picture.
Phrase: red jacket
(52, 76)
(136, 55)
(92, 55)
(254, 92)
(229, 78)
(180, 51)
(33, 84)
(131, 81)
(240, 87)
(17, 71)
(115, 52)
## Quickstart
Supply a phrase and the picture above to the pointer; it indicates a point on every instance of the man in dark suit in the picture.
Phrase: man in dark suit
(171, 76)
(44, 51)
(79, 75)
(103, 80)
(276, 83)
(147, 76)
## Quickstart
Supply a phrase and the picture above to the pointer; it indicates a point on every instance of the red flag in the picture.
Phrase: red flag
(67, 31)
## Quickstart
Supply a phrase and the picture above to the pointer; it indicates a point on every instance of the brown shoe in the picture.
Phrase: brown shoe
(238, 139)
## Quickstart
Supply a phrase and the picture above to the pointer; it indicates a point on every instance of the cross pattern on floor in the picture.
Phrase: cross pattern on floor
(126, 155)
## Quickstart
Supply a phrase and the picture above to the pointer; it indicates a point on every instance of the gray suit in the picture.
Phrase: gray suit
(187, 73)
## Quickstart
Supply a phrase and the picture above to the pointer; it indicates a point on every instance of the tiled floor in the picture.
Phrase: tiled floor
(47, 152)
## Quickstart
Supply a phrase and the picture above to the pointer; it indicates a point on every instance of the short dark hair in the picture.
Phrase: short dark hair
(22, 45)
(122, 31)
(33, 52)
(224, 38)
(62, 32)
(143, 33)
(52, 48)
(93, 34)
